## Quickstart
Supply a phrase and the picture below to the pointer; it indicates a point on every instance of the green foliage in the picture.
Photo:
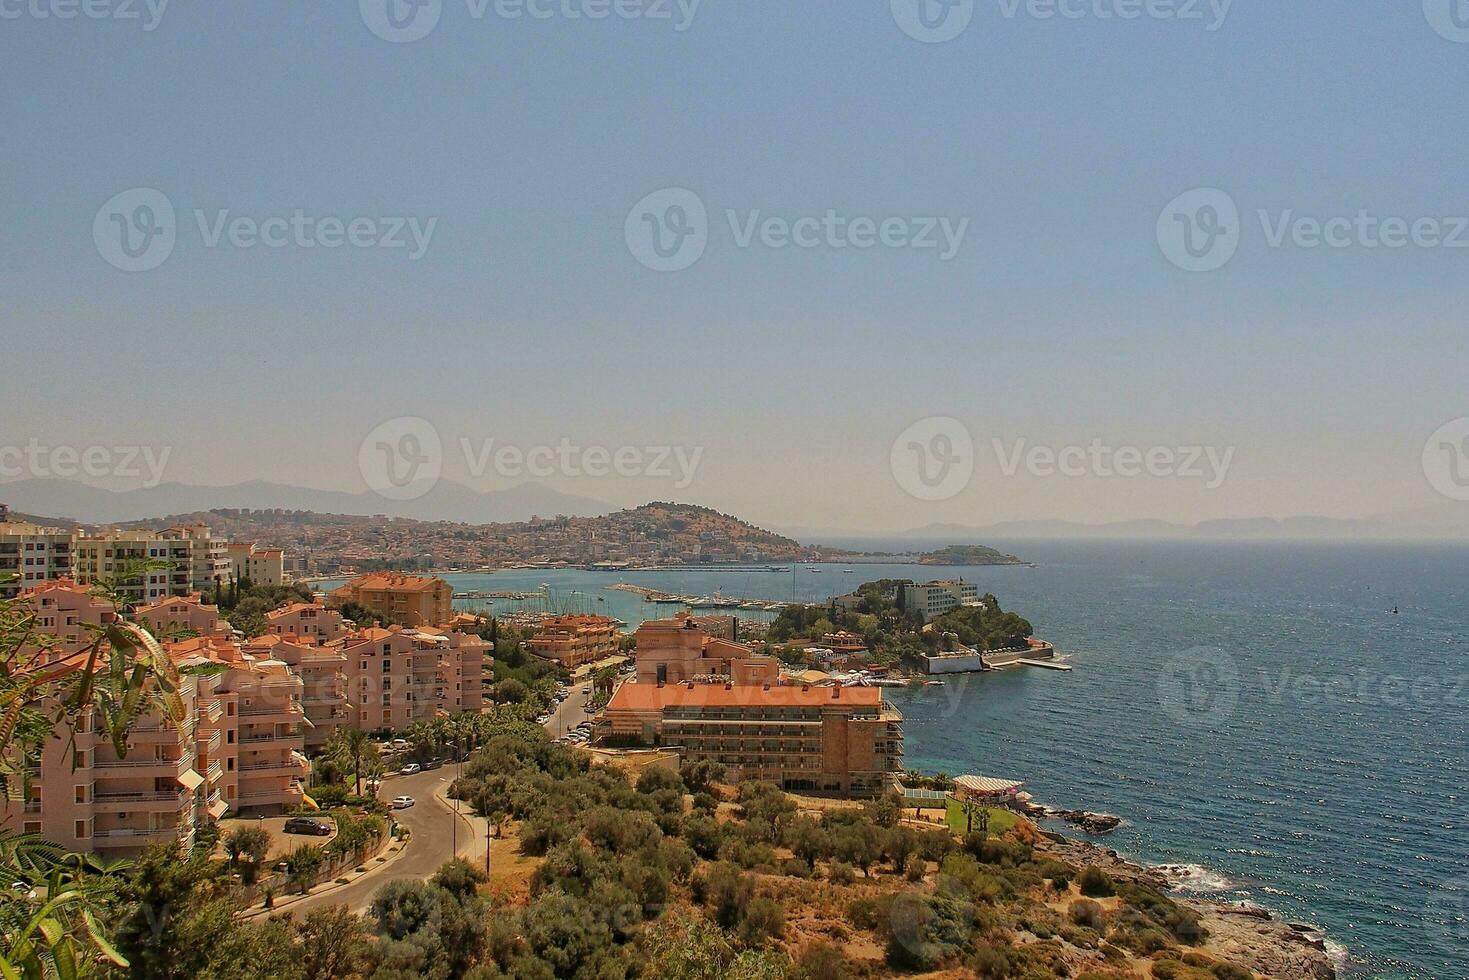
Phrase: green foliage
(1096, 883)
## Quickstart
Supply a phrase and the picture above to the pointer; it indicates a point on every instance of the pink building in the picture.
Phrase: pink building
(181, 614)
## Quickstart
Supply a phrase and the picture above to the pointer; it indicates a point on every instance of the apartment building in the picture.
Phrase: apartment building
(173, 617)
(63, 609)
(413, 600)
(311, 621)
(933, 599)
(845, 741)
(258, 566)
(31, 554)
(400, 675)
(326, 694)
(573, 641)
(238, 749)
(198, 561)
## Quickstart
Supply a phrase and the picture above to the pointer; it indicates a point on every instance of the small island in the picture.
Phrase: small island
(969, 554)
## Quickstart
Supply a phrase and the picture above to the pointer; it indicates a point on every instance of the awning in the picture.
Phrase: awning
(191, 779)
(218, 809)
(986, 785)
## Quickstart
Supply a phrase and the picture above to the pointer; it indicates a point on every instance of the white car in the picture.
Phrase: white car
(402, 802)
(410, 769)
(586, 690)
(399, 744)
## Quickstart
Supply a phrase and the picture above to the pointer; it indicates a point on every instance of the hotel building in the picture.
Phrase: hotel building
(933, 599)
(715, 699)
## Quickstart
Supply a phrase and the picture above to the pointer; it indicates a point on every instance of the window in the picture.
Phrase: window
(81, 830)
(81, 792)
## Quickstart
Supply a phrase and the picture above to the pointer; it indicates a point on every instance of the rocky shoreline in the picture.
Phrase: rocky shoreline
(1248, 935)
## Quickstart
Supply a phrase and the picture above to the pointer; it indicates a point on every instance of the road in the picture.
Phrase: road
(569, 713)
(431, 824)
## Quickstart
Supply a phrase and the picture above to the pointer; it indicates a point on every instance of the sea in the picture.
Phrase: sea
(1285, 724)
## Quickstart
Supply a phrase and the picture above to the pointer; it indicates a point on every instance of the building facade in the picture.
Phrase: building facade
(933, 599)
(258, 566)
(31, 554)
(573, 641)
(412, 600)
(197, 562)
(844, 741)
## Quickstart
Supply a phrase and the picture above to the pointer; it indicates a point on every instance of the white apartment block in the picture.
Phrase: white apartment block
(933, 599)
(30, 555)
(200, 562)
(258, 566)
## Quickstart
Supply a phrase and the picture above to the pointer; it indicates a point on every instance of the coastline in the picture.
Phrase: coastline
(1247, 934)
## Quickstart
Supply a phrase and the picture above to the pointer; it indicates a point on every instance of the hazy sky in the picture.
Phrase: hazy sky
(1058, 310)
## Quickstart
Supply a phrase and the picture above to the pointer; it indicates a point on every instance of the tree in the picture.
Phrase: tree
(859, 844)
(250, 843)
(302, 864)
(334, 943)
(355, 746)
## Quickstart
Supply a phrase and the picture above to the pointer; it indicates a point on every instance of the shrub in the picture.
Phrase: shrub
(1096, 883)
(841, 873)
(822, 961)
(762, 919)
(1084, 912)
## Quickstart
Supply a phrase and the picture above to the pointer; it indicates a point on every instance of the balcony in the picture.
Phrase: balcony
(133, 837)
(134, 765)
(149, 801)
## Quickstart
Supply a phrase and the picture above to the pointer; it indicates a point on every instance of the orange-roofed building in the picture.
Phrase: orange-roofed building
(311, 621)
(63, 609)
(181, 613)
(844, 741)
(396, 676)
(413, 600)
(573, 641)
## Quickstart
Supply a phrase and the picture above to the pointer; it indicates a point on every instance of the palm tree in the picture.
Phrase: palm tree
(354, 744)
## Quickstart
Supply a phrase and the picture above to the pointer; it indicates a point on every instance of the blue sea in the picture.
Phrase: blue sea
(1254, 711)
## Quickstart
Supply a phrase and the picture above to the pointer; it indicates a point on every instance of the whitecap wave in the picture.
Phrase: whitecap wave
(1194, 878)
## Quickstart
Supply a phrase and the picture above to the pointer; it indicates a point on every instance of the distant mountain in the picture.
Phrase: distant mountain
(1449, 522)
(448, 501)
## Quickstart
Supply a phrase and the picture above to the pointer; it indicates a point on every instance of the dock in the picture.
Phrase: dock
(1048, 664)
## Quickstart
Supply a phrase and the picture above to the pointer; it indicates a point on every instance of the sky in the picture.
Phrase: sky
(1089, 260)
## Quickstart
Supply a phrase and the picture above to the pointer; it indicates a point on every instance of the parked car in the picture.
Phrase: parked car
(410, 769)
(306, 825)
(399, 744)
(586, 690)
(402, 802)
(433, 764)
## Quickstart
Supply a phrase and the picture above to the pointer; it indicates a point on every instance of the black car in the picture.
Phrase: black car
(433, 764)
(305, 825)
